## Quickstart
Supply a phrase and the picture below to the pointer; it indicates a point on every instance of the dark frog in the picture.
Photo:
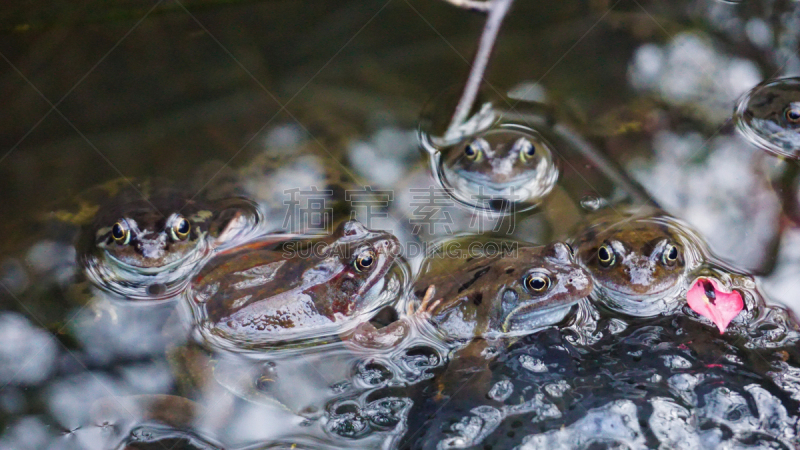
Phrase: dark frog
(769, 116)
(639, 261)
(515, 293)
(286, 288)
(145, 239)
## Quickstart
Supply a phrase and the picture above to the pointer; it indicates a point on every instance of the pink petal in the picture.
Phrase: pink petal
(706, 298)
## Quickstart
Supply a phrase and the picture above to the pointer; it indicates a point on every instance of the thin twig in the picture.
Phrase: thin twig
(497, 11)
(472, 5)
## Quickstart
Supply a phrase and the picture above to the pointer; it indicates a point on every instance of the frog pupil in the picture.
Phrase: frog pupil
(469, 151)
(530, 151)
(364, 261)
(673, 253)
(117, 232)
(793, 114)
(538, 284)
(603, 254)
(183, 226)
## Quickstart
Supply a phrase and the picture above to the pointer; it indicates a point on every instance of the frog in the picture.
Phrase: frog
(280, 289)
(144, 239)
(509, 294)
(506, 161)
(769, 116)
(640, 259)
(73, 255)
(515, 291)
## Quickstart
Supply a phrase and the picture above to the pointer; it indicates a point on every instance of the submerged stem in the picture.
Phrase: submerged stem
(497, 10)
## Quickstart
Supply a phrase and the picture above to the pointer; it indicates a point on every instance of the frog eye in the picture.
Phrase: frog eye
(606, 255)
(180, 228)
(526, 149)
(536, 283)
(365, 260)
(121, 232)
(475, 149)
(792, 113)
(670, 255)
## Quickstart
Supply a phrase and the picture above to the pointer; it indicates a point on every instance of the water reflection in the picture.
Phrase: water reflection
(692, 73)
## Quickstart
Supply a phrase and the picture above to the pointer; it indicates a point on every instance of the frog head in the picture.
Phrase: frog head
(353, 267)
(640, 262)
(151, 235)
(537, 288)
(769, 115)
(501, 162)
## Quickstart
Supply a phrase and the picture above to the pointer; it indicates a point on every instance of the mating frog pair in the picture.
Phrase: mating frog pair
(273, 291)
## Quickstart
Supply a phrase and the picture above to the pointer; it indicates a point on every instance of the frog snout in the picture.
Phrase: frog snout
(151, 247)
(640, 272)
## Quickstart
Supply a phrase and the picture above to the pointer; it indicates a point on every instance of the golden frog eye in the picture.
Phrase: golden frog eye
(121, 233)
(526, 149)
(474, 150)
(536, 283)
(365, 260)
(180, 228)
(670, 255)
(792, 113)
(605, 255)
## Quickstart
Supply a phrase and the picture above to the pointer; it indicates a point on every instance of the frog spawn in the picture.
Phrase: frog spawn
(672, 387)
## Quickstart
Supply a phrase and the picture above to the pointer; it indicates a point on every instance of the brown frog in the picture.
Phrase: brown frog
(276, 290)
(516, 291)
(513, 293)
(639, 260)
(144, 239)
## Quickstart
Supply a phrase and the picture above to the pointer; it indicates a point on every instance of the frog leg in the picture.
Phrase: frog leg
(426, 307)
(467, 373)
(366, 335)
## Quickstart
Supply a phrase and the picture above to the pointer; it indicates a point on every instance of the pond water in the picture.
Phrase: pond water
(656, 141)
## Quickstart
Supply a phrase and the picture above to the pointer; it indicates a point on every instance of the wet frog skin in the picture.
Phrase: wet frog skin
(638, 261)
(267, 291)
(501, 161)
(507, 294)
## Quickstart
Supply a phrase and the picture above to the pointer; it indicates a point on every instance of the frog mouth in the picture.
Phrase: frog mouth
(640, 305)
(632, 295)
(525, 320)
(473, 181)
(152, 270)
